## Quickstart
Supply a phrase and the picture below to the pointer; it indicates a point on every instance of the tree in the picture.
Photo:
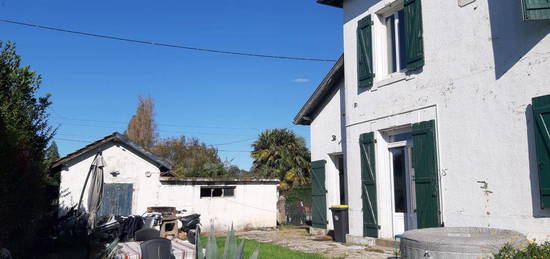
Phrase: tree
(190, 157)
(25, 199)
(142, 128)
(52, 154)
(281, 154)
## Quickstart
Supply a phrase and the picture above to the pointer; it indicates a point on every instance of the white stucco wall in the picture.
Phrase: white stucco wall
(328, 123)
(130, 166)
(253, 206)
(483, 65)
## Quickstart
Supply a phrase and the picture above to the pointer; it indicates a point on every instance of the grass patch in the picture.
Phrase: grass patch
(266, 250)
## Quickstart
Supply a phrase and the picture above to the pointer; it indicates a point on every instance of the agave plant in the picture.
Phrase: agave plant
(232, 249)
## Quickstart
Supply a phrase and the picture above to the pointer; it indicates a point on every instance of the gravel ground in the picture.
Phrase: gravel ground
(298, 239)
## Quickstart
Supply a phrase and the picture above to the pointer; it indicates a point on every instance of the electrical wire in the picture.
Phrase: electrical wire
(162, 131)
(163, 44)
(90, 141)
(62, 117)
(87, 136)
(234, 142)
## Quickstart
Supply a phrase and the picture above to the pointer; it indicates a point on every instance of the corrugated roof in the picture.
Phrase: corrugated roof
(116, 137)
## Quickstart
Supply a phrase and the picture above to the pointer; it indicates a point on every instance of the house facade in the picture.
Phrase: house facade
(444, 117)
(135, 179)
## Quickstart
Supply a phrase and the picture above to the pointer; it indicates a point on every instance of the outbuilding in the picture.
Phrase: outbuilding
(135, 179)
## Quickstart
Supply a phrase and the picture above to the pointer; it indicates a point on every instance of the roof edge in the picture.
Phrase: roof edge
(335, 3)
(158, 161)
(328, 83)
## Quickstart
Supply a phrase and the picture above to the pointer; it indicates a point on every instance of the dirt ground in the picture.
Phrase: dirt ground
(299, 239)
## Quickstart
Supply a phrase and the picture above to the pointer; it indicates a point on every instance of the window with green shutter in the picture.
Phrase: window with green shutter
(413, 35)
(541, 116)
(365, 72)
(536, 9)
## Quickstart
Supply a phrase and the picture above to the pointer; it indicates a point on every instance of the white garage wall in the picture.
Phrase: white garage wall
(252, 206)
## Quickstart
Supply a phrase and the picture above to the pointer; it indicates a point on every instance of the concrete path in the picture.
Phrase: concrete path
(298, 239)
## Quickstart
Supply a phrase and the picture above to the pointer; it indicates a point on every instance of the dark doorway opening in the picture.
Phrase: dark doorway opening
(342, 179)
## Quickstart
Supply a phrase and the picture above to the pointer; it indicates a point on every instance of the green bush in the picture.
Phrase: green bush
(533, 250)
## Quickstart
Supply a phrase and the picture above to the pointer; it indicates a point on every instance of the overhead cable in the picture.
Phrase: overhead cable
(249, 54)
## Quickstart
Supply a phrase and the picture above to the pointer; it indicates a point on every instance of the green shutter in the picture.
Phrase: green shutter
(368, 185)
(318, 195)
(425, 174)
(536, 9)
(413, 35)
(541, 115)
(365, 73)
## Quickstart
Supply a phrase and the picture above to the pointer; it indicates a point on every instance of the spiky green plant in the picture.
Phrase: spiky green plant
(232, 248)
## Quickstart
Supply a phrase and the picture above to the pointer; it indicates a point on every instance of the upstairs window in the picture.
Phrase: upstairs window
(401, 45)
(395, 39)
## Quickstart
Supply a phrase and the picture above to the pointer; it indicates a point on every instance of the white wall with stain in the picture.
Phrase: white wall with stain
(326, 143)
(131, 168)
(483, 64)
(252, 206)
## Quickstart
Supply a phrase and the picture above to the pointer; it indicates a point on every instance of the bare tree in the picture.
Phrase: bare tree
(142, 128)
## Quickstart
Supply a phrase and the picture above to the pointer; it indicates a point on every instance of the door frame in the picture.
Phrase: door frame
(408, 219)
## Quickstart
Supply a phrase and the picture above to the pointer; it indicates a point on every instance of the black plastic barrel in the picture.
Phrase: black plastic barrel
(340, 222)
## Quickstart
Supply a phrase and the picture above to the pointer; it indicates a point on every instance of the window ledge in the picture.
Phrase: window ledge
(392, 79)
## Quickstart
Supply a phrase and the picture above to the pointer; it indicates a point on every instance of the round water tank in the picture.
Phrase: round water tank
(455, 242)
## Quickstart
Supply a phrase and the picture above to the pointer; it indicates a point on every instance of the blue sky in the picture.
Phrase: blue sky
(218, 98)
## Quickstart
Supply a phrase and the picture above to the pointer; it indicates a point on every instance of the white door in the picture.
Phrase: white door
(404, 217)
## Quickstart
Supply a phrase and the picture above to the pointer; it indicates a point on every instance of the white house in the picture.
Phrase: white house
(136, 179)
(440, 113)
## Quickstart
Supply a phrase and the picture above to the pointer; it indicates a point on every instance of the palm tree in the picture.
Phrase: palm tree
(281, 154)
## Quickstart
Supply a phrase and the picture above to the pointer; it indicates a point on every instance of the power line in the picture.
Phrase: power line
(162, 131)
(73, 140)
(234, 142)
(87, 136)
(89, 141)
(120, 123)
(58, 116)
(243, 151)
(163, 44)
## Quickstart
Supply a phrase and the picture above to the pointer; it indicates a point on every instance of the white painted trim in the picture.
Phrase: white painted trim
(399, 144)
(439, 169)
(391, 79)
(392, 115)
